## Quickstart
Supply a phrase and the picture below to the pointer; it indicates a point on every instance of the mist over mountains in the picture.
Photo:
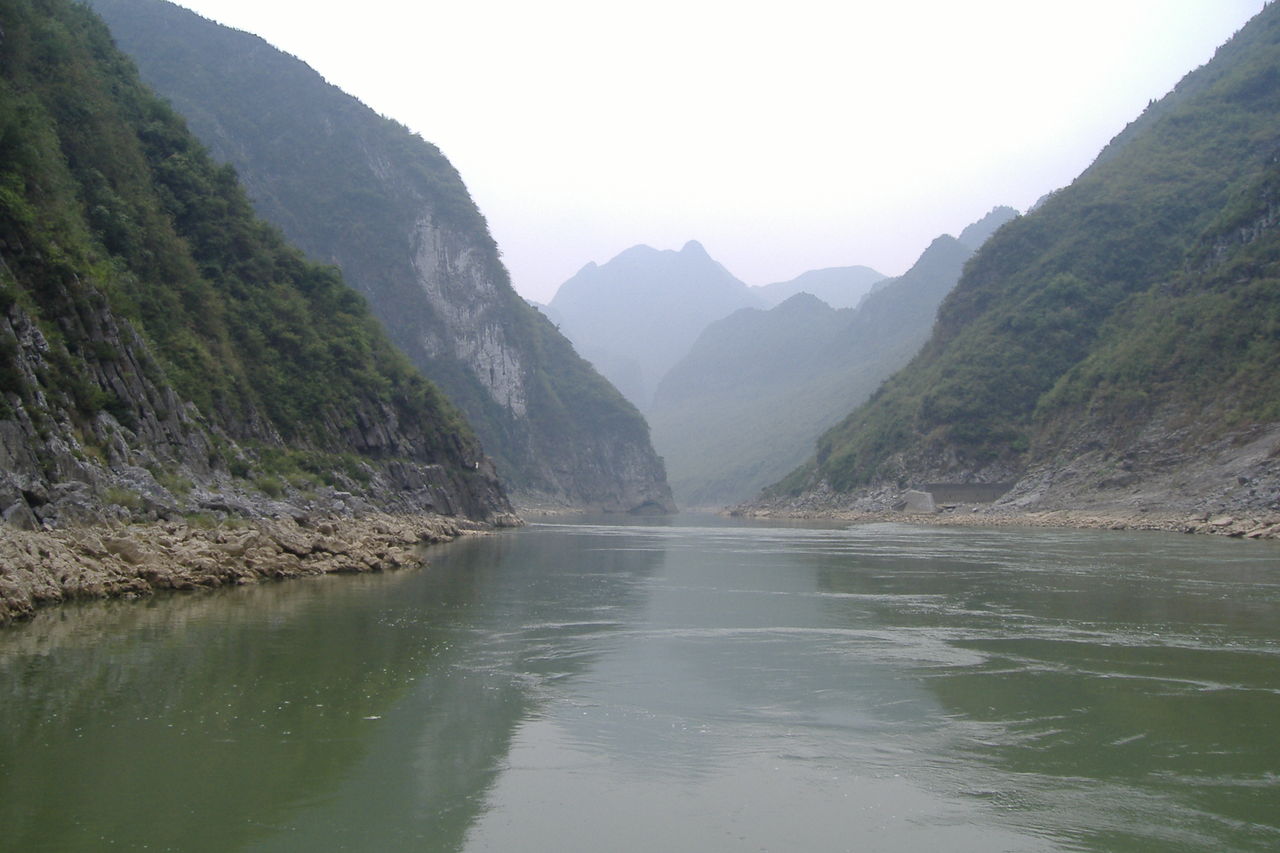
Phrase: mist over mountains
(742, 399)
(746, 403)
(636, 315)
(839, 287)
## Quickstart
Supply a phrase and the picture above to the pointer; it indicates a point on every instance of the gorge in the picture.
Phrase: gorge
(496, 635)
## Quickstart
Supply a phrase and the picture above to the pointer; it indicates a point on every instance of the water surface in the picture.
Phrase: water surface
(698, 685)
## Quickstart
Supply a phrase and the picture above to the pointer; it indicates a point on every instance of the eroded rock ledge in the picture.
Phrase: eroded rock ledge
(39, 568)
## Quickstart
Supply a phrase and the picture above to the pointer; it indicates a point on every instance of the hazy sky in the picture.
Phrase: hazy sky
(783, 136)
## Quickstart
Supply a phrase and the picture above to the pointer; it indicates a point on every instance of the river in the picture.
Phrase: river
(695, 684)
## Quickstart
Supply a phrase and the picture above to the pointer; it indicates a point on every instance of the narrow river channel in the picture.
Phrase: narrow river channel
(691, 685)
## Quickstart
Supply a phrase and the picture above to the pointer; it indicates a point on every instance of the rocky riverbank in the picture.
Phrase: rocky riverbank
(1227, 487)
(1253, 526)
(46, 567)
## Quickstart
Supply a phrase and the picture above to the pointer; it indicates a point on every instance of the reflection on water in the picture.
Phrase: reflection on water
(669, 686)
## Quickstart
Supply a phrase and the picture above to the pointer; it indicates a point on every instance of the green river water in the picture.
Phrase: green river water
(691, 685)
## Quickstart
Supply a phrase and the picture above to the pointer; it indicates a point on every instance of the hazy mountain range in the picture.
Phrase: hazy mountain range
(745, 404)
(839, 287)
(636, 315)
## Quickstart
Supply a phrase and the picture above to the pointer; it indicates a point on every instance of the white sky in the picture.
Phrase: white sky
(784, 136)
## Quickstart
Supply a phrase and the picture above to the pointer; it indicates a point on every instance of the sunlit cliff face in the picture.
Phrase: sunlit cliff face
(463, 294)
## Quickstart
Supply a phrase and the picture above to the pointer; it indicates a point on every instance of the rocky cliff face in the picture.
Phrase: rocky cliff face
(163, 354)
(366, 194)
(455, 279)
(152, 455)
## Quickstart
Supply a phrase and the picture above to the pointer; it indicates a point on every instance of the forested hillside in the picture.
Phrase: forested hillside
(161, 349)
(1122, 338)
(362, 192)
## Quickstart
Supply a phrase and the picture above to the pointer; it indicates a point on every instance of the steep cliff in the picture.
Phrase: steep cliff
(162, 352)
(357, 190)
(1118, 345)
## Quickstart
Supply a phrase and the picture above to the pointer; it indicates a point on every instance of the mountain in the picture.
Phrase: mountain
(1118, 346)
(976, 234)
(636, 315)
(839, 287)
(162, 351)
(360, 191)
(756, 389)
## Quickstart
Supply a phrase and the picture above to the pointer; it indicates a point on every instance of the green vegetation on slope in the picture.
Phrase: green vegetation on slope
(108, 204)
(356, 189)
(1092, 272)
(1210, 335)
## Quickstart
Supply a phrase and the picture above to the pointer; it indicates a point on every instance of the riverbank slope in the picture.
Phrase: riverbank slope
(1230, 486)
(965, 515)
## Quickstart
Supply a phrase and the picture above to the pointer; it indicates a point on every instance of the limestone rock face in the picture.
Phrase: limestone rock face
(387, 207)
(467, 301)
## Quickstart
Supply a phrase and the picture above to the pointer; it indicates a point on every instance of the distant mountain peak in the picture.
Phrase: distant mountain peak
(637, 251)
(941, 241)
(637, 314)
(977, 233)
(802, 302)
(1081, 354)
(838, 287)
